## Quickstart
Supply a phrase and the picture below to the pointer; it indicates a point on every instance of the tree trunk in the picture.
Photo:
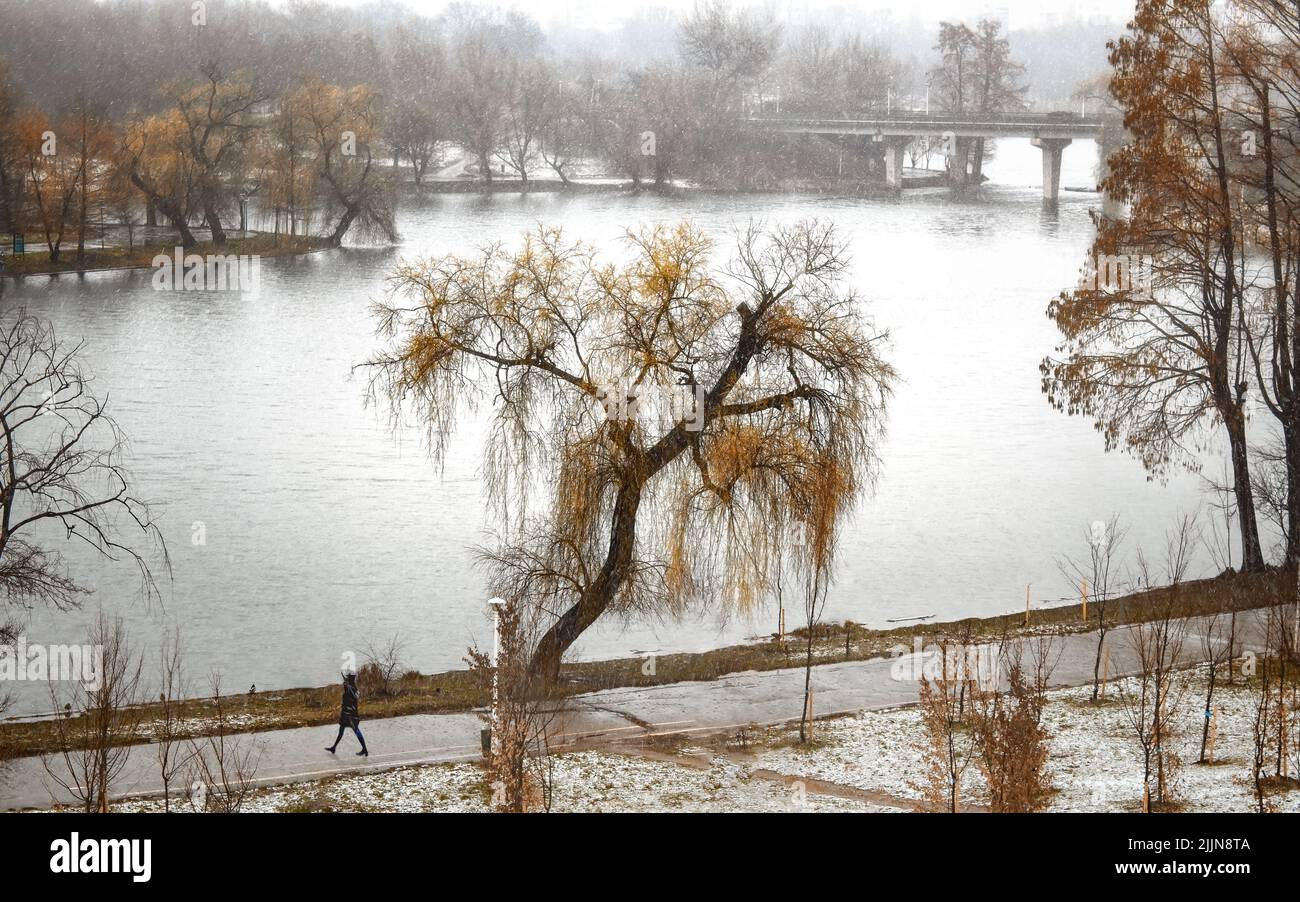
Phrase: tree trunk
(345, 223)
(178, 221)
(81, 221)
(1096, 664)
(807, 686)
(214, 225)
(1252, 558)
(598, 595)
(1209, 705)
(1291, 442)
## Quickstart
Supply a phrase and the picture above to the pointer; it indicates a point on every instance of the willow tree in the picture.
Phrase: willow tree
(342, 125)
(220, 119)
(1154, 348)
(665, 433)
(159, 166)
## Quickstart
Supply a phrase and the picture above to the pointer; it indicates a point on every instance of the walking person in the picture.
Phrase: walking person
(349, 716)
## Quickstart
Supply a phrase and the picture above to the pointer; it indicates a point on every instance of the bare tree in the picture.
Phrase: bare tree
(736, 46)
(1101, 573)
(416, 124)
(218, 119)
(172, 758)
(100, 720)
(1266, 726)
(487, 46)
(534, 105)
(223, 762)
(1152, 697)
(815, 589)
(1257, 49)
(60, 463)
(1218, 652)
(562, 136)
(949, 746)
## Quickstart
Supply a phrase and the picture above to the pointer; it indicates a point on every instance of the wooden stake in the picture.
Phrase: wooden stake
(1084, 588)
(1281, 714)
(1026, 604)
(1214, 734)
(811, 691)
(780, 629)
(1105, 669)
(1146, 799)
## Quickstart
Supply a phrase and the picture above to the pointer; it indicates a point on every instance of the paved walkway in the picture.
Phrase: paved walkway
(605, 717)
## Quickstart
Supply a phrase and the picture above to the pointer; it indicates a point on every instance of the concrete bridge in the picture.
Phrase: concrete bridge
(1050, 132)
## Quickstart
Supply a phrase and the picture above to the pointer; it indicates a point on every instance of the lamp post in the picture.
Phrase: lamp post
(495, 604)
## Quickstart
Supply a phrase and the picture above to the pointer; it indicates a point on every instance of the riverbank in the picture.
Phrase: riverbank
(35, 262)
(457, 691)
(261, 244)
(841, 187)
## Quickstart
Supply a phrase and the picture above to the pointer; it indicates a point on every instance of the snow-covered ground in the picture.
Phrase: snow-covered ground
(859, 763)
(1095, 760)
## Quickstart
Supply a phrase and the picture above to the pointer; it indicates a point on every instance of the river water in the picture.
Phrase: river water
(325, 529)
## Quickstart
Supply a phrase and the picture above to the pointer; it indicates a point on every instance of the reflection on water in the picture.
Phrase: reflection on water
(324, 529)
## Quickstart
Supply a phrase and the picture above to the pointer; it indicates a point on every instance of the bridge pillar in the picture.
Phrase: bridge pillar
(895, 146)
(1052, 149)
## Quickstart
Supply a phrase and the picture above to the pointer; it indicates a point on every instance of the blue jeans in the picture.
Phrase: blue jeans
(339, 738)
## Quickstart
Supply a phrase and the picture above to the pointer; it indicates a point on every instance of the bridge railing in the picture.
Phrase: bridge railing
(1016, 118)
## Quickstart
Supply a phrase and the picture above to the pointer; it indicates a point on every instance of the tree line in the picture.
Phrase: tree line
(307, 141)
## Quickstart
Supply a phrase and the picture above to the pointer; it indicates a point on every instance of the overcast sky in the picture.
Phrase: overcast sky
(606, 13)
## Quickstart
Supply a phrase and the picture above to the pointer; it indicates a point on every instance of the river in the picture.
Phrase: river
(325, 529)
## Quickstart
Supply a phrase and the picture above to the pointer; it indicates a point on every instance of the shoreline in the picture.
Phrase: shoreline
(98, 258)
(262, 244)
(457, 691)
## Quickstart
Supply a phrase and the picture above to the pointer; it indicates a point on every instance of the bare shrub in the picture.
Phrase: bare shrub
(379, 675)
(949, 745)
(1152, 698)
(1100, 570)
(8, 635)
(223, 763)
(1011, 743)
(99, 723)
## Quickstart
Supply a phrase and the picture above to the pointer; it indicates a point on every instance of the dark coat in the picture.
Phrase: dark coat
(348, 714)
